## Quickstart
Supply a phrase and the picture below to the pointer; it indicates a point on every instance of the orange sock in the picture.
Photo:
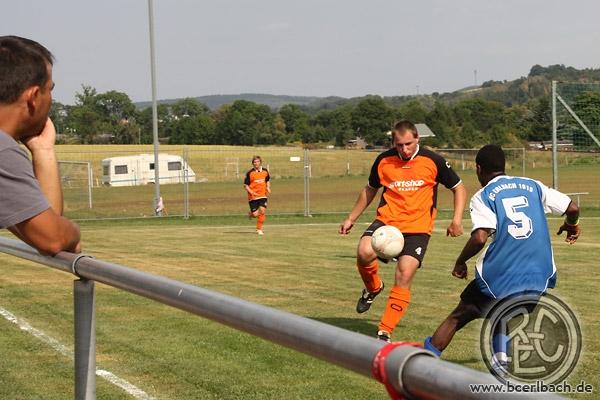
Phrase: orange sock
(260, 220)
(370, 277)
(395, 308)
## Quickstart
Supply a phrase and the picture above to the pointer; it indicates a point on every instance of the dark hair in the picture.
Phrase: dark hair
(491, 158)
(23, 63)
(405, 126)
(256, 158)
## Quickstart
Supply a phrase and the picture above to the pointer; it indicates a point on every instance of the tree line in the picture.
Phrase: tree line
(508, 113)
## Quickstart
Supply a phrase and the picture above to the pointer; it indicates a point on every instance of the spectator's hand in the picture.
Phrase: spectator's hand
(573, 232)
(460, 271)
(454, 229)
(345, 227)
(44, 141)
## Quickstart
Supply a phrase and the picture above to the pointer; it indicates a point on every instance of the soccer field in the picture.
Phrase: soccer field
(304, 268)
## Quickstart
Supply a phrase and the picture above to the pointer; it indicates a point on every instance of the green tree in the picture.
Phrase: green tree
(83, 119)
(414, 111)
(371, 119)
(296, 123)
(58, 114)
(246, 123)
(115, 107)
(539, 120)
(110, 114)
(189, 107)
(335, 124)
(587, 108)
(145, 121)
(442, 123)
(198, 129)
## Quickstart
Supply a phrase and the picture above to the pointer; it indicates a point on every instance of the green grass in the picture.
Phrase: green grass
(334, 194)
(174, 355)
(336, 178)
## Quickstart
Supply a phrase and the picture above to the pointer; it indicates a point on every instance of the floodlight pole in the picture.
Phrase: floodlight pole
(157, 212)
(554, 139)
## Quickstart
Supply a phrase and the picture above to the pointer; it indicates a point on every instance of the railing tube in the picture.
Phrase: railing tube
(418, 375)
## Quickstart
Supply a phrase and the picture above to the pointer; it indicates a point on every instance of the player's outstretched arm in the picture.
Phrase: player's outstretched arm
(365, 197)
(460, 196)
(571, 224)
(473, 246)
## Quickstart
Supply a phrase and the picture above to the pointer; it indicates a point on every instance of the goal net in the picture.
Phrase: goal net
(77, 182)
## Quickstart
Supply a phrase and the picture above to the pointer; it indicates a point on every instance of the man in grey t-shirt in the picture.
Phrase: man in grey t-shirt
(31, 202)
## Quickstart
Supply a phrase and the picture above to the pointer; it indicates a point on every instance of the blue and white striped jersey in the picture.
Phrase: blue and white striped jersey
(519, 258)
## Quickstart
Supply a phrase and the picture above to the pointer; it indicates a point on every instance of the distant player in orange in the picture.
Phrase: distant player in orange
(258, 187)
(409, 176)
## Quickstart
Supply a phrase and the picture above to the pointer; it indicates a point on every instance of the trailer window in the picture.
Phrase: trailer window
(174, 166)
(105, 170)
(120, 169)
(151, 166)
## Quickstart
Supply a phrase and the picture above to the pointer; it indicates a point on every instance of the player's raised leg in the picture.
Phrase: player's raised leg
(399, 297)
(366, 263)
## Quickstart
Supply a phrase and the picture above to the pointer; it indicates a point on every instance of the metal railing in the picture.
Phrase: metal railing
(412, 371)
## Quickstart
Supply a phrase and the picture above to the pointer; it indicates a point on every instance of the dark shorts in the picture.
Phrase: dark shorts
(256, 204)
(473, 297)
(415, 244)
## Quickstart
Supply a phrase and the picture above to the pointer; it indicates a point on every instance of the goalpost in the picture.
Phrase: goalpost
(77, 176)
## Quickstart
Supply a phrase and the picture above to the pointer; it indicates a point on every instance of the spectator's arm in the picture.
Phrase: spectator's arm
(49, 233)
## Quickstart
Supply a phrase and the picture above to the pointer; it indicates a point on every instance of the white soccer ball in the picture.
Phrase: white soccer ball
(387, 242)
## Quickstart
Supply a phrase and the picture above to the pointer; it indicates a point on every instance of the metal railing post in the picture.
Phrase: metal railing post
(85, 339)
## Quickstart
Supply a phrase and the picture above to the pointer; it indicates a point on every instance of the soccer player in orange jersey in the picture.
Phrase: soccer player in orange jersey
(409, 176)
(258, 187)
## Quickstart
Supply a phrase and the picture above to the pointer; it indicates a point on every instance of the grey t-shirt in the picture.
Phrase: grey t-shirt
(20, 195)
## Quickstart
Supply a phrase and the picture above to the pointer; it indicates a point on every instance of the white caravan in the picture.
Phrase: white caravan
(139, 170)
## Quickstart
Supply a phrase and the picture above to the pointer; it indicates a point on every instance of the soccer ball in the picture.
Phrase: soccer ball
(387, 242)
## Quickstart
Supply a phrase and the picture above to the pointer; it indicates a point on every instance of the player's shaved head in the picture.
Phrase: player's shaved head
(491, 159)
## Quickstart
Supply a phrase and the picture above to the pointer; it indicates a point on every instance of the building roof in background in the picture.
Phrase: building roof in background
(424, 130)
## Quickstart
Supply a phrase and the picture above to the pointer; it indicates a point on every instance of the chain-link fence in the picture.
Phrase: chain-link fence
(576, 134)
(578, 116)
(208, 180)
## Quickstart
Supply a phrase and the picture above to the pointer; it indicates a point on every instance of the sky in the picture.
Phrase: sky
(344, 48)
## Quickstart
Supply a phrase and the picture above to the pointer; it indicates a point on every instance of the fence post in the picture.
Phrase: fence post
(85, 339)
(90, 183)
(186, 185)
(306, 183)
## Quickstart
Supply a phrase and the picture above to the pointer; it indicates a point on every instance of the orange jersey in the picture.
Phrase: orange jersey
(257, 182)
(409, 196)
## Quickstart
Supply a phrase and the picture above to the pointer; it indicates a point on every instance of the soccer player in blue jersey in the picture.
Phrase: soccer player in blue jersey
(511, 211)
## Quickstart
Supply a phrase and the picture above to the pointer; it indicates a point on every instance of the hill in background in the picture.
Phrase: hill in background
(217, 100)
(518, 91)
